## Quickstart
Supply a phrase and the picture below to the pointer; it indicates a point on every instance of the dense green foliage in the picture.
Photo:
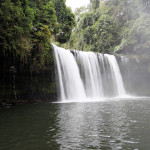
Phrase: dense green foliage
(27, 27)
(65, 19)
(113, 26)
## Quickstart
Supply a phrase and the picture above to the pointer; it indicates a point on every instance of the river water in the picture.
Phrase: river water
(105, 125)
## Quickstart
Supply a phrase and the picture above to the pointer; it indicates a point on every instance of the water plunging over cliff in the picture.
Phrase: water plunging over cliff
(82, 75)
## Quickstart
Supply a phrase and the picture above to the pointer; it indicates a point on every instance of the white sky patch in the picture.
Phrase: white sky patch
(77, 3)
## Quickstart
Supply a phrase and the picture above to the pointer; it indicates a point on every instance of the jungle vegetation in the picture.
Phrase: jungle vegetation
(27, 28)
(109, 26)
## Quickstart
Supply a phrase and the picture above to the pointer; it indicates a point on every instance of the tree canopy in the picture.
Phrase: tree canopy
(27, 27)
(109, 26)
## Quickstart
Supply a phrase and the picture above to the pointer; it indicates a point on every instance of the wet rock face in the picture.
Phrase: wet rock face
(24, 85)
(136, 76)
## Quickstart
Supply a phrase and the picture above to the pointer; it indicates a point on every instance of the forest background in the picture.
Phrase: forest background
(28, 27)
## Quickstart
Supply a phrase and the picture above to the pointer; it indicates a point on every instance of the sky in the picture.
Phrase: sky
(77, 3)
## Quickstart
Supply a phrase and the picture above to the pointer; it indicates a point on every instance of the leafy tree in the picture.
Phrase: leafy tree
(14, 30)
(107, 34)
(27, 27)
(113, 26)
(136, 36)
(87, 20)
(66, 21)
(94, 4)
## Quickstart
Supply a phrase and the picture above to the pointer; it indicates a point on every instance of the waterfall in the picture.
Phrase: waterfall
(116, 75)
(90, 73)
(125, 65)
(69, 79)
(83, 75)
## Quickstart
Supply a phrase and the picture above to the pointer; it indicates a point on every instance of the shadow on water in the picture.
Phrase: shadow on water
(111, 125)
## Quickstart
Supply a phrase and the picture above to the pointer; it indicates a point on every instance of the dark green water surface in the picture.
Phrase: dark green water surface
(109, 125)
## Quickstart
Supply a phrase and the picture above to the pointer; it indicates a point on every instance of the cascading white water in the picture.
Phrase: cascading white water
(125, 64)
(116, 75)
(70, 83)
(87, 75)
(91, 75)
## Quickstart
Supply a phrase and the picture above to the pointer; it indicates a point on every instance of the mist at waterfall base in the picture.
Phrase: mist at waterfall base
(88, 76)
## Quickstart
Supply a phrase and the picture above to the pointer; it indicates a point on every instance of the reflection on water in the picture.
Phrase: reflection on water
(112, 125)
(93, 126)
(108, 125)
